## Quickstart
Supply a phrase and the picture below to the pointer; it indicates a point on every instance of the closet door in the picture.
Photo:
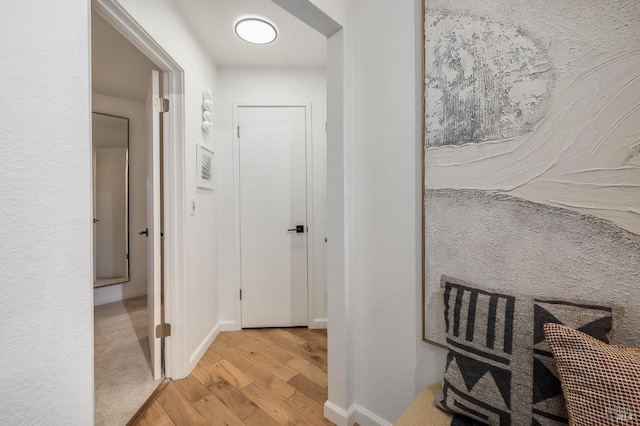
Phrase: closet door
(273, 216)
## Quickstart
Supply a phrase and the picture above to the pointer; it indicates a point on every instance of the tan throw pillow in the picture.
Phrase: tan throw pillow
(600, 382)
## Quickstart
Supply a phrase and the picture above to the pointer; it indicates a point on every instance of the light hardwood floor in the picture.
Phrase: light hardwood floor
(250, 377)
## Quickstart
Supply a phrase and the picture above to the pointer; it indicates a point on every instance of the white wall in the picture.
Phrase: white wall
(339, 358)
(137, 284)
(46, 365)
(275, 85)
(383, 357)
(385, 229)
(162, 20)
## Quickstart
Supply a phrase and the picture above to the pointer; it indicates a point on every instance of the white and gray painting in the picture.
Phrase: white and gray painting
(485, 81)
(532, 149)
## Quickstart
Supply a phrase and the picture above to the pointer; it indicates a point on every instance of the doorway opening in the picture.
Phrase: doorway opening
(124, 361)
(129, 72)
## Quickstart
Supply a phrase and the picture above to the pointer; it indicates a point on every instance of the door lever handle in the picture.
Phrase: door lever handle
(299, 229)
(145, 232)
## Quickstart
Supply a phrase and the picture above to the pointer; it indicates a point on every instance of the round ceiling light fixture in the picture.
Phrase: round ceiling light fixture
(256, 31)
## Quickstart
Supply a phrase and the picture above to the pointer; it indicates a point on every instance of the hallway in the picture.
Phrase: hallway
(250, 377)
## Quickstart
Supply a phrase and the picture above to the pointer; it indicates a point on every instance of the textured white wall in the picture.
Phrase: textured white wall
(137, 285)
(275, 85)
(382, 168)
(163, 21)
(46, 365)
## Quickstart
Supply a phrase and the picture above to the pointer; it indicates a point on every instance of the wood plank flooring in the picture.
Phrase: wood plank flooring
(258, 377)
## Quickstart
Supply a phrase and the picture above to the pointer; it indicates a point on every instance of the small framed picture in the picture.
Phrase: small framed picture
(204, 164)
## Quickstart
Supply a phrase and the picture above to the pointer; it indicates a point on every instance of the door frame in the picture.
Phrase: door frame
(176, 363)
(236, 203)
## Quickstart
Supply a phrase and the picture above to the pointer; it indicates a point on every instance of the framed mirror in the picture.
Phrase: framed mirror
(110, 140)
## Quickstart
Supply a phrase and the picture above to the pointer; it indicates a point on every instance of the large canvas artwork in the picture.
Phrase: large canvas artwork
(532, 151)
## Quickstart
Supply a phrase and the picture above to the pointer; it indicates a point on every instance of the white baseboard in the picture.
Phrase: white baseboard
(355, 414)
(233, 325)
(337, 415)
(365, 417)
(113, 293)
(202, 347)
(228, 326)
(318, 323)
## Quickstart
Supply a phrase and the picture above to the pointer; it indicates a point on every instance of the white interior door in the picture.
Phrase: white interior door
(153, 223)
(273, 201)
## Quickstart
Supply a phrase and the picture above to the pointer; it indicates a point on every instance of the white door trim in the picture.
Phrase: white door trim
(236, 204)
(176, 359)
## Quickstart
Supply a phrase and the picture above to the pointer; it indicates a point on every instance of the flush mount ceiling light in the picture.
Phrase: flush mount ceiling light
(256, 31)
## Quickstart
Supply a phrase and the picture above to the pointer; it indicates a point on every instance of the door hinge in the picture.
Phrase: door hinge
(161, 104)
(163, 330)
(238, 131)
(240, 294)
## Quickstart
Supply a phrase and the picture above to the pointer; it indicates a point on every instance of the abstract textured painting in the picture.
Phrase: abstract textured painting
(532, 151)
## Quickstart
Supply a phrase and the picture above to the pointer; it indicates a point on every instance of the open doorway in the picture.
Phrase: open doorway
(123, 361)
(145, 306)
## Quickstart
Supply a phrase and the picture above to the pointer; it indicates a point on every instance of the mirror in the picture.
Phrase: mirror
(110, 199)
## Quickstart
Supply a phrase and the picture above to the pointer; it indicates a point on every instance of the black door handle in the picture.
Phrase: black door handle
(145, 232)
(299, 229)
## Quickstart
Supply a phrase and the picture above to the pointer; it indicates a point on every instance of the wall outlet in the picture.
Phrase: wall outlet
(193, 206)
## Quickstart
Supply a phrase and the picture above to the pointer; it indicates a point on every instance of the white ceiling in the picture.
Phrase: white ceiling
(121, 71)
(213, 22)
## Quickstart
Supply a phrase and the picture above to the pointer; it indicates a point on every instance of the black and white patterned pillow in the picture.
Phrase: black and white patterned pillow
(500, 370)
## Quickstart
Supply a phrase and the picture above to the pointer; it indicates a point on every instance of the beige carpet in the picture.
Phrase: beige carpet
(123, 377)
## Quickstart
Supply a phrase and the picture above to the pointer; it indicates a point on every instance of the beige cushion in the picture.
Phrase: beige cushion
(600, 382)
(423, 412)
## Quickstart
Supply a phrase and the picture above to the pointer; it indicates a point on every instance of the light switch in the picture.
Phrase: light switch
(193, 206)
